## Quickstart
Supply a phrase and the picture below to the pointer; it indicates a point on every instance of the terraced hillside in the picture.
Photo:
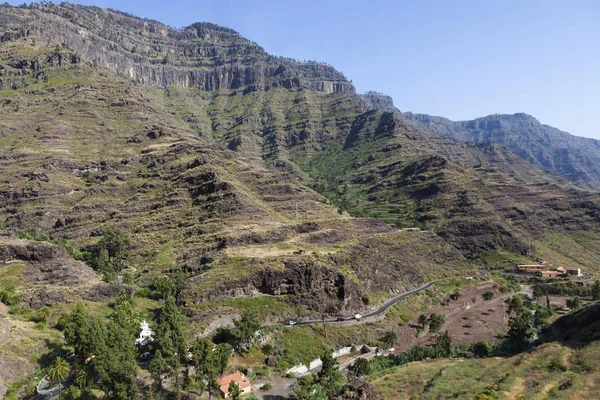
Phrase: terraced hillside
(244, 170)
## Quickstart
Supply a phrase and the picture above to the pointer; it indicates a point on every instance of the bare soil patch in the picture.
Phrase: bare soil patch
(468, 319)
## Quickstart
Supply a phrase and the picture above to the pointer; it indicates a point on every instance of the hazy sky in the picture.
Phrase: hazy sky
(455, 58)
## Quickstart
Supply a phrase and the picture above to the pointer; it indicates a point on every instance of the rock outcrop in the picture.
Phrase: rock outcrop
(202, 56)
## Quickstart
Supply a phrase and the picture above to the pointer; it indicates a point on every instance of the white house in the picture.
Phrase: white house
(145, 334)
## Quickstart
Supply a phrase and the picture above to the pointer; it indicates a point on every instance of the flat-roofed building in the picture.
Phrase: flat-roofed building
(548, 274)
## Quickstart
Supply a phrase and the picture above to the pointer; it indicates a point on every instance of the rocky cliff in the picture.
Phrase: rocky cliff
(202, 56)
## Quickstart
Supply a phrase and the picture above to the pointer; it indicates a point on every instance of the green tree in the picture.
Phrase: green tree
(124, 299)
(455, 295)
(212, 387)
(596, 290)
(164, 286)
(234, 391)
(169, 333)
(82, 378)
(538, 292)
(221, 355)
(111, 252)
(362, 367)
(43, 314)
(443, 345)
(308, 389)
(390, 339)
(128, 278)
(329, 377)
(574, 303)
(71, 393)
(59, 370)
(116, 365)
(10, 296)
(157, 367)
(521, 329)
(246, 326)
(436, 321)
(515, 305)
(85, 334)
(423, 321)
(201, 356)
(488, 295)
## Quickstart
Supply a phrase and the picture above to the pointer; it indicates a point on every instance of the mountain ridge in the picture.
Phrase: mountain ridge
(544, 146)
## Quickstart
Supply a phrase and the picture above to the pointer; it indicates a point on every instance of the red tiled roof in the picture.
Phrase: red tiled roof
(238, 378)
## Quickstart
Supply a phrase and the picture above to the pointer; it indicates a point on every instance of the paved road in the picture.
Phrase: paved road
(381, 310)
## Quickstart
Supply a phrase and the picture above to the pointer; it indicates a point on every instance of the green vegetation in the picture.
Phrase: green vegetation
(195, 194)
(436, 321)
(325, 384)
(536, 374)
(9, 295)
(110, 254)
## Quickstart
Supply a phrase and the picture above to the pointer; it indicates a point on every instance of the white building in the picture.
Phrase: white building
(145, 334)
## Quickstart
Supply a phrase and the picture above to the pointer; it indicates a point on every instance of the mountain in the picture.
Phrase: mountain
(252, 174)
(257, 183)
(548, 148)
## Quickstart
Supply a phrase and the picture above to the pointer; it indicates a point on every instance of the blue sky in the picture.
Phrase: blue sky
(459, 59)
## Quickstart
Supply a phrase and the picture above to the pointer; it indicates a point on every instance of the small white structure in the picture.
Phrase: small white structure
(145, 335)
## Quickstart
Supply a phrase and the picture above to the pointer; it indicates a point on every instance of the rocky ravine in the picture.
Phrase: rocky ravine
(51, 276)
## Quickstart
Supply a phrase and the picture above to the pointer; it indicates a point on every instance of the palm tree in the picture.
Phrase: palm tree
(59, 370)
(389, 339)
(422, 321)
(81, 378)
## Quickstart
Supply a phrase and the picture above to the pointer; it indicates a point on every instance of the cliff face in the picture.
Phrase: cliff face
(546, 147)
(575, 158)
(202, 56)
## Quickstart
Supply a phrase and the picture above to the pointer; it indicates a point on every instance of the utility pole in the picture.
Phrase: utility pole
(323, 312)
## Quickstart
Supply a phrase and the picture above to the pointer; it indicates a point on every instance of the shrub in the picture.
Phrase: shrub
(481, 349)
(39, 326)
(556, 365)
(267, 386)
(128, 278)
(488, 295)
(262, 371)
(9, 295)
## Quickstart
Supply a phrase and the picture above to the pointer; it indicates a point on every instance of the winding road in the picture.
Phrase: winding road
(381, 310)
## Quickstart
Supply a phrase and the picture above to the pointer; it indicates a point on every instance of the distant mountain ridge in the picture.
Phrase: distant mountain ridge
(573, 157)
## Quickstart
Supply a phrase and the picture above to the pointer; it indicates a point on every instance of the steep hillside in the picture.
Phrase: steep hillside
(242, 170)
(565, 367)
